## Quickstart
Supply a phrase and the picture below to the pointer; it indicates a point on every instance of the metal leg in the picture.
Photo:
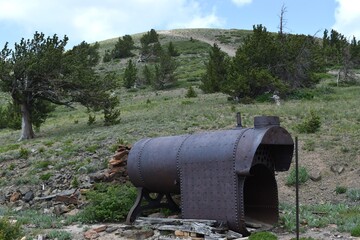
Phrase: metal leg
(152, 203)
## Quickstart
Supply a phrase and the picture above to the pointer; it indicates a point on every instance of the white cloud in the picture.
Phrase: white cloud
(347, 18)
(93, 20)
(241, 2)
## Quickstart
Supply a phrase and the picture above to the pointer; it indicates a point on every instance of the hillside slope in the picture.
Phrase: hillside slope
(67, 149)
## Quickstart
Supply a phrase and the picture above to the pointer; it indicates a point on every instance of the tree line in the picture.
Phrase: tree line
(268, 63)
(159, 74)
(39, 73)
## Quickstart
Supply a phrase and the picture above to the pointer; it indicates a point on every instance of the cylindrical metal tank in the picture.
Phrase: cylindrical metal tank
(217, 173)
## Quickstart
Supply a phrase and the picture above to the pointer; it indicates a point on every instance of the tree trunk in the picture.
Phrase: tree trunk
(26, 125)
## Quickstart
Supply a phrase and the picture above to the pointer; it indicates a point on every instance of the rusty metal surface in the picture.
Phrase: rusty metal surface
(209, 185)
(152, 164)
(223, 175)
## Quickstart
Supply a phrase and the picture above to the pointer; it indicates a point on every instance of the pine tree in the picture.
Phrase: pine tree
(123, 47)
(39, 73)
(165, 71)
(130, 74)
(172, 51)
(148, 75)
(216, 71)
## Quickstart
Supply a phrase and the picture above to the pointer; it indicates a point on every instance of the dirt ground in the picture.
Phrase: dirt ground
(124, 232)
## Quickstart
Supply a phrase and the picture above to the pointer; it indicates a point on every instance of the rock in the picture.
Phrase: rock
(28, 196)
(91, 234)
(60, 209)
(18, 209)
(98, 176)
(24, 189)
(337, 169)
(111, 229)
(138, 234)
(72, 212)
(100, 229)
(82, 170)
(315, 176)
(15, 196)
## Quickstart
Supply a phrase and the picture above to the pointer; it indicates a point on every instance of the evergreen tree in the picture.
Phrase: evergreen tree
(165, 71)
(123, 47)
(130, 74)
(172, 51)
(39, 71)
(148, 75)
(150, 46)
(107, 56)
(355, 52)
(216, 71)
(266, 62)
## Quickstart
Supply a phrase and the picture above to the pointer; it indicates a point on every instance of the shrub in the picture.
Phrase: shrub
(353, 194)
(303, 176)
(262, 236)
(309, 145)
(107, 203)
(10, 116)
(340, 189)
(111, 114)
(46, 176)
(355, 232)
(191, 93)
(311, 123)
(59, 235)
(75, 183)
(107, 56)
(9, 231)
(24, 153)
(91, 119)
(42, 164)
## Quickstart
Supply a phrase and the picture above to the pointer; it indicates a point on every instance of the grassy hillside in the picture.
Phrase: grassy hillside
(66, 142)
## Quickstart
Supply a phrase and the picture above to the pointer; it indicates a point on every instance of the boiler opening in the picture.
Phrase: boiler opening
(261, 196)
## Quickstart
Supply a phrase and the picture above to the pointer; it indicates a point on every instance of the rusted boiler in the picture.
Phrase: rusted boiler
(226, 175)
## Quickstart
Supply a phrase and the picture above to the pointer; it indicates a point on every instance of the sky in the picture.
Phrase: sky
(97, 20)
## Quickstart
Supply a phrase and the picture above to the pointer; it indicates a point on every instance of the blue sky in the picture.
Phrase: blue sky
(96, 20)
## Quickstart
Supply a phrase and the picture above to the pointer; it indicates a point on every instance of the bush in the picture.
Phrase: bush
(311, 123)
(303, 176)
(9, 231)
(46, 176)
(108, 203)
(262, 236)
(191, 93)
(309, 145)
(354, 194)
(107, 56)
(10, 117)
(355, 232)
(340, 189)
(59, 235)
(24, 153)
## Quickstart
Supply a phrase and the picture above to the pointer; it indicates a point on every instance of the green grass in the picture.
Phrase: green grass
(59, 235)
(68, 142)
(262, 236)
(303, 176)
(345, 217)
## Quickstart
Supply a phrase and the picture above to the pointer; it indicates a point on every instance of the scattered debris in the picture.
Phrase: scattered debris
(194, 228)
